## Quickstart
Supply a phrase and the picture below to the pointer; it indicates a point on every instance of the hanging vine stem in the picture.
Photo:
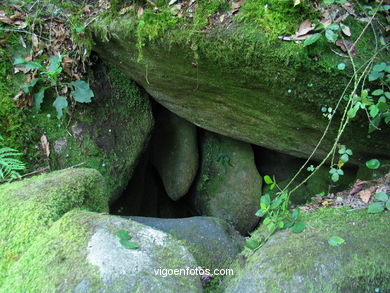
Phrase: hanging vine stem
(356, 81)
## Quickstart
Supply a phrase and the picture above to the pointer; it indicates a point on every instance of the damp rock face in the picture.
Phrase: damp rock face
(213, 242)
(305, 262)
(175, 153)
(109, 134)
(240, 80)
(31, 206)
(83, 253)
(228, 185)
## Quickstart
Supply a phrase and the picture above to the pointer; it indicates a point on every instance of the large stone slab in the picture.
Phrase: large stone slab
(31, 206)
(82, 253)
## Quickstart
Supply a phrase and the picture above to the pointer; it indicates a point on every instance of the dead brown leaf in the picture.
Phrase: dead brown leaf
(45, 145)
(236, 6)
(357, 187)
(140, 12)
(346, 30)
(305, 27)
(366, 194)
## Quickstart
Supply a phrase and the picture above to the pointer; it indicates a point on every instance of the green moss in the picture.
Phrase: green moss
(31, 206)
(360, 264)
(54, 254)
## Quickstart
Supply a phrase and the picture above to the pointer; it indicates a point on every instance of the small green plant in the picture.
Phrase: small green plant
(48, 78)
(9, 165)
(124, 240)
(382, 202)
(276, 214)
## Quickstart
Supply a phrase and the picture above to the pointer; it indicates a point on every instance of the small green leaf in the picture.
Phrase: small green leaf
(295, 214)
(122, 234)
(335, 241)
(373, 164)
(60, 104)
(289, 225)
(352, 112)
(349, 152)
(341, 66)
(128, 244)
(340, 172)
(260, 213)
(375, 75)
(314, 38)
(377, 92)
(38, 98)
(55, 63)
(268, 179)
(265, 201)
(381, 196)
(344, 158)
(387, 94)
(276, 203)
(335, 177)
(298, 227)
(376, 207)
(82, 92)
(379, 67)
(331, 35)
(388, 205)
(272, 186)
(252, 244)
(271, 227)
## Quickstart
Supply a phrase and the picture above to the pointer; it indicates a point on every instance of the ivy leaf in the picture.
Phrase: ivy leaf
(381, 196)
(82, 93)
(38, 98)
(60, 104)
(373, 164)
(128, 244)
(376, 207)
(314, 38)
(298, 227)
(335, 241)
(252, 244)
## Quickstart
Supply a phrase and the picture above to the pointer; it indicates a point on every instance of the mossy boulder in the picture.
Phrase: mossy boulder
(228, 185)
(110, 134)
(83, 253)
(175, 153)
(237, 78)
(213, 242)
(305, 262)
(31, 206)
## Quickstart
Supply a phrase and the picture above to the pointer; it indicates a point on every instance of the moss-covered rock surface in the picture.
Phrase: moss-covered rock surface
(228, 185)
(83, 253)
(238, 79)
(30, 207)
(213, 242)
(305, 262)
